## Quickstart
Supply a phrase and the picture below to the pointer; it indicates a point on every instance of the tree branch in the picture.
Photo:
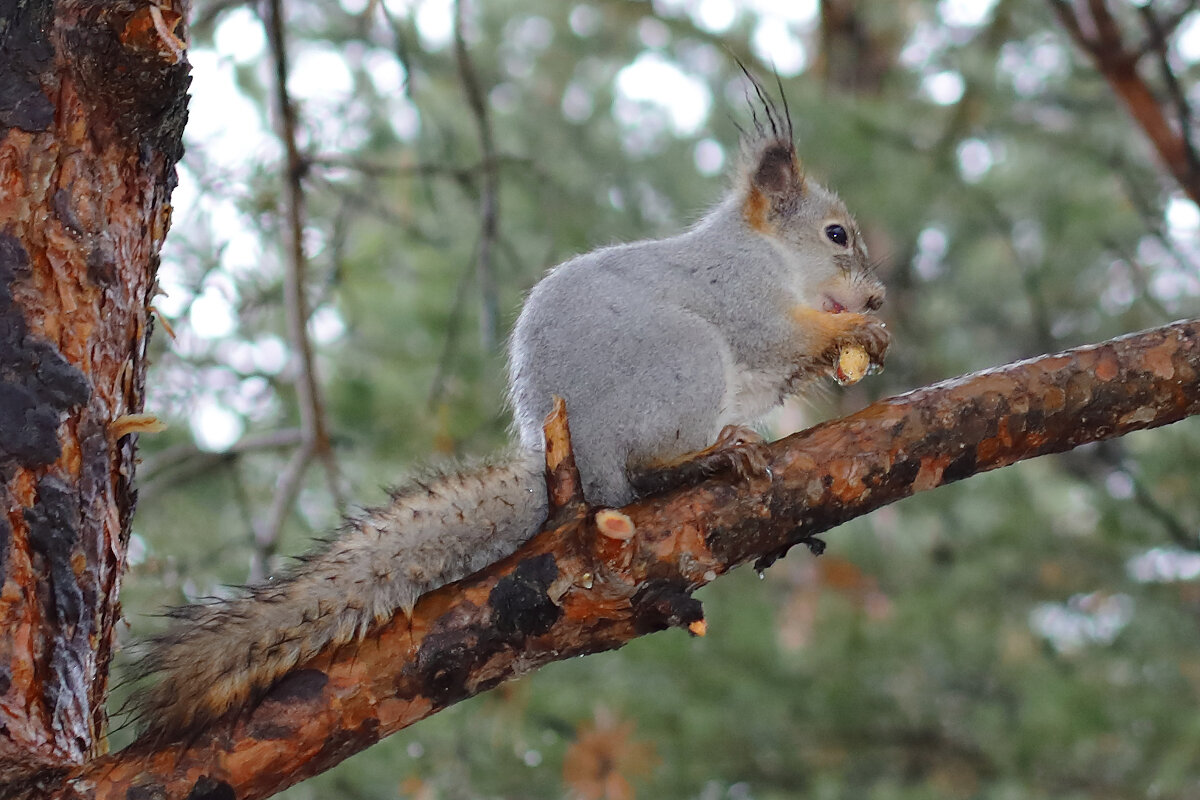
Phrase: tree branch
(1157, 38)
(185, 462)
(1099, 35)
(572, 591)
(489, 192)
(316, 442)
(463, 174)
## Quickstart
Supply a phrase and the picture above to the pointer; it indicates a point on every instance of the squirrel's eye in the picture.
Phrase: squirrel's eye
(836, 234)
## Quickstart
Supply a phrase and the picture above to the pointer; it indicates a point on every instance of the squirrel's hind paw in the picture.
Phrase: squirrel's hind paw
(738, 450)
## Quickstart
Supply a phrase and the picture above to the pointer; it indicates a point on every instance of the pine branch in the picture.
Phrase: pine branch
(573, 590)
(1096, 31)
(315, 441)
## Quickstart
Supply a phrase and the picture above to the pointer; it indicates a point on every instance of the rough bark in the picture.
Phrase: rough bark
(573, 591)
(92, 106)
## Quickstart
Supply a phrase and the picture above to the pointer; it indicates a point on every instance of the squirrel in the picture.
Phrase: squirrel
(662, 349)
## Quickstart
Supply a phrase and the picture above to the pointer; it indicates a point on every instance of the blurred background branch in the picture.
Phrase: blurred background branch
(315, 441)
(1095, 29)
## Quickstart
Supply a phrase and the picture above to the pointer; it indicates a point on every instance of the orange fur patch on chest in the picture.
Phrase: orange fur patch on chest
(754, 209)
(809, 317)
(825, 327)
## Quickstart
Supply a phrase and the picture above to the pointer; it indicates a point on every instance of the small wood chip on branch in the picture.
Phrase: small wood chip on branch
(135, 423)
(614, 524)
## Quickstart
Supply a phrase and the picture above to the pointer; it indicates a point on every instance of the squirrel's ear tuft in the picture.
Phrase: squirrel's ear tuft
(777, 173)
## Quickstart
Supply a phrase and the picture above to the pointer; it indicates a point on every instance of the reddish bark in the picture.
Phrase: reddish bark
(90, 125)
(571, 591)
(1097, 32)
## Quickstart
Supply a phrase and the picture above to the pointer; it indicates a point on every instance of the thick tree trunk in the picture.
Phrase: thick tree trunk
(92, 107)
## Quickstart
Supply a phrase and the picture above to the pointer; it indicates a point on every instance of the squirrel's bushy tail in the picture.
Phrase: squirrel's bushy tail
(220, 655)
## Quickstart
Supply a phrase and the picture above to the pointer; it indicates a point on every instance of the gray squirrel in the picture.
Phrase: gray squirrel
(661, 349)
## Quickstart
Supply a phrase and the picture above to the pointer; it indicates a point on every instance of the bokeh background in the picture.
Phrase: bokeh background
(1030, 633)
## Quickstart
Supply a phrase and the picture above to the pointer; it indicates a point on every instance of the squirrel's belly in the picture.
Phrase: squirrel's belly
(749, 394)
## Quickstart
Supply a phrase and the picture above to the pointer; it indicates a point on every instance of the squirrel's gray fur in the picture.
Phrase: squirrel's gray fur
(655, 346)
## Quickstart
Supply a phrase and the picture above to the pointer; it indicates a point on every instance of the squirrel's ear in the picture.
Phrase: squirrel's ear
(777, 173)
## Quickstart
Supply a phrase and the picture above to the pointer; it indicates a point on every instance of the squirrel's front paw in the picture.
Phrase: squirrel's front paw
(865, 331)
(868, 332)
(858, 348)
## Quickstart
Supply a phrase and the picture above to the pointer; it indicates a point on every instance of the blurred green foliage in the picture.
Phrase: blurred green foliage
(1025, 634)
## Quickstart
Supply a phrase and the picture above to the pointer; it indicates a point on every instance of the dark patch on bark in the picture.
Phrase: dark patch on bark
(66, 215)
(26, 54)
(5, 545)
(102, 263)
(53, 524)
(975, 423)
(139, 91)
(730, 545)
(490, 683)
(905, 471)
(961, 467)
(301, 686)
(37, 385)
(43, 783)
(370, 727)
(660, 605)
(95, 488)
(14, 262)
(875, 477)
(752, 537)
(521, 602)
(146, 791)
(269, 731)
(346, 743)
(206, 788)
(5, 679)
(447, 659)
